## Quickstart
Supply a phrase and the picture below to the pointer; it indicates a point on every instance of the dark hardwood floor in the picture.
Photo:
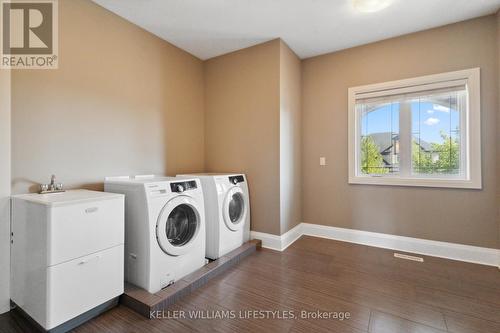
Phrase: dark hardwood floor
(381, 293)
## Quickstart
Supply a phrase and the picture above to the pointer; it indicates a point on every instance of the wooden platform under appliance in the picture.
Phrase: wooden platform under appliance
(144, 302)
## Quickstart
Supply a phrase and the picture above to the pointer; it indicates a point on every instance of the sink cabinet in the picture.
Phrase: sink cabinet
(66, 254)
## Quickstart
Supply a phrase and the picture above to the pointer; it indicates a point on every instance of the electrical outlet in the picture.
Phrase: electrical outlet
(322, 161)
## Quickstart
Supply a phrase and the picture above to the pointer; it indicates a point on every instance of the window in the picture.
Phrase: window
(423, 131)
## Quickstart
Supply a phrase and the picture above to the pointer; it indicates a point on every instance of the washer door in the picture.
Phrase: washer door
(235, 210)
(178, 225)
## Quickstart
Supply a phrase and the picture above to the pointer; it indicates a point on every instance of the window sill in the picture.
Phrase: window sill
(419, 182)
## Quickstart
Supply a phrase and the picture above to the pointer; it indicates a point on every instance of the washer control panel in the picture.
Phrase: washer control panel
(236, 179)
(179, 187)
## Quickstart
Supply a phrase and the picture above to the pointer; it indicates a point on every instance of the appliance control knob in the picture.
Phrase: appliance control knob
(235, 181)
(180, 188)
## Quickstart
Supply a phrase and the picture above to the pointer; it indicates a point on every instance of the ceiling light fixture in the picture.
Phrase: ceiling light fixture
(370, 6)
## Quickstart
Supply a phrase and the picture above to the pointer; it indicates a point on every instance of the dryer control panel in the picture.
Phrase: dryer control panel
(179, 187)
(236, 179)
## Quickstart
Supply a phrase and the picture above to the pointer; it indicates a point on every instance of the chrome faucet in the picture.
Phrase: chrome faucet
(53, 187)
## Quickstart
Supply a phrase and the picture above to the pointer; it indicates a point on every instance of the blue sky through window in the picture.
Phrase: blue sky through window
(428, 120)
(382, 119)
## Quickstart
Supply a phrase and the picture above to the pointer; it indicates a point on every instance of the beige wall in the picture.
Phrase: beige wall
(4, 189)
(460, 216)
(242, 101)
(122, 102)
(498, 125)
(290, 139)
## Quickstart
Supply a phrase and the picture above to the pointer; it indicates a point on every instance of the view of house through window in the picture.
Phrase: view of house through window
(379, 138)
(436, 131)
(433, 144)
(422, 131)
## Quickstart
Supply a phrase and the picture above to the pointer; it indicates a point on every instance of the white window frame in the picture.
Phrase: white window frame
(472, 130)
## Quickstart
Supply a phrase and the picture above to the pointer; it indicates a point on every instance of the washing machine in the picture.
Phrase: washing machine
(227, 211)
(164, 228)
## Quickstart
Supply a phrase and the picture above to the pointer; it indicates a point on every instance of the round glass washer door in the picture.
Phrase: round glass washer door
(178, 226)
(235, 209)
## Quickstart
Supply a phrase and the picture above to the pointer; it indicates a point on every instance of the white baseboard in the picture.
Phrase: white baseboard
(278, 243)
(467, 253)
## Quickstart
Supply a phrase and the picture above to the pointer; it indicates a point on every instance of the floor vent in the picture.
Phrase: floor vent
(407, 257)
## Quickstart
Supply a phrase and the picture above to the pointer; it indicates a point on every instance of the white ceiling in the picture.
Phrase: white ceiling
(208, 28)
